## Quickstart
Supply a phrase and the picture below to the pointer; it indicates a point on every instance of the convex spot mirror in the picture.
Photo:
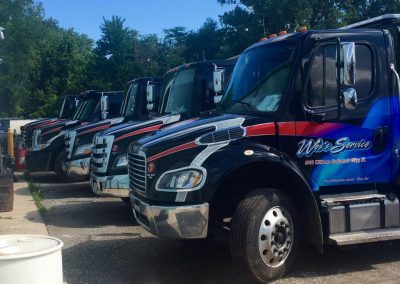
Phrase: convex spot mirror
(219, 80)
(104, 107)
(150, 89)
(349, 96)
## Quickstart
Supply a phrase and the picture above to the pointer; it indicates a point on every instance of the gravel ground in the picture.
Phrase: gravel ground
(103, 244)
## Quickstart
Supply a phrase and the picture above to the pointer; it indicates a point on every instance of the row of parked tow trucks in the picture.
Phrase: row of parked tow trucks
(296, 141)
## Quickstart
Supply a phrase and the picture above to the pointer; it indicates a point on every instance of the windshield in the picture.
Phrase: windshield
(178, 93)
(129, 105)
(259, 79)
(90, 110)
(78, 109)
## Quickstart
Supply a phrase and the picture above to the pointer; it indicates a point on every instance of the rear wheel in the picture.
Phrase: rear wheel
(264, 234)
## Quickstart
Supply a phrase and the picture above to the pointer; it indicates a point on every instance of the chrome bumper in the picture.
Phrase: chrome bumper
(177, 222)
(77, 168)
(117, 186)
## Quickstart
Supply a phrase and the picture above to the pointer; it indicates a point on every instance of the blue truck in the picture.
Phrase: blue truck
(304, 149)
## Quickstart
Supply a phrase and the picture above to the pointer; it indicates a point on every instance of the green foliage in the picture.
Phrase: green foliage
(43, 62)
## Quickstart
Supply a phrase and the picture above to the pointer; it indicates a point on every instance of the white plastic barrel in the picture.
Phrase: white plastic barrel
(30, 259)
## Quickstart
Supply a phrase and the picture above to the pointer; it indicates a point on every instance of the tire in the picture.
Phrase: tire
(265, 235)
(61, 175)
(58, 167)
(126, 200)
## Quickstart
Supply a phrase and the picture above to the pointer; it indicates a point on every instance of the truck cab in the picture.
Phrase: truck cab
(79, 141)
(187, 94)
(67, 112)
(48, 151)
(305, 148)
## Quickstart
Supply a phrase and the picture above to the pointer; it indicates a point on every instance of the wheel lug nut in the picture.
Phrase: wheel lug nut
(286, 225)
(275, 250)
(282, 223)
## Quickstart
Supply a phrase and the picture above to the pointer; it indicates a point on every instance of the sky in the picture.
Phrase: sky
(146, 16)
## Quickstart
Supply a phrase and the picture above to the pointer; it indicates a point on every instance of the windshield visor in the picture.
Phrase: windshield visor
(259, 79)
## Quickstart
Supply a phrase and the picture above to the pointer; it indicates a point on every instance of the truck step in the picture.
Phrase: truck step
(355, 198)
(364, 237)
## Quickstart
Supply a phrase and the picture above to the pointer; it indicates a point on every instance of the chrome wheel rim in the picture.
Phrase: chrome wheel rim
(275, 237)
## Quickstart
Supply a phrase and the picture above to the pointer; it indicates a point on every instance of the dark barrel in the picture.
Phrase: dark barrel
(6, 192)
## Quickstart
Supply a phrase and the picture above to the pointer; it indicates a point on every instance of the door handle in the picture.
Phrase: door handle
(380, 139)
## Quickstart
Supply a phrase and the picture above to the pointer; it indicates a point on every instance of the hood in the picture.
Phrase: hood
(130, 129)
(41, 123)
(98, 126)
(218, 129)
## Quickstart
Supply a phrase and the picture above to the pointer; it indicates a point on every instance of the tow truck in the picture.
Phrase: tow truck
(305, 149)
(47, 153)
(79, 141)
(188, 93)
(67, 111)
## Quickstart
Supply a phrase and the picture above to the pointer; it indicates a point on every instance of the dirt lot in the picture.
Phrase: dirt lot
(103, 244)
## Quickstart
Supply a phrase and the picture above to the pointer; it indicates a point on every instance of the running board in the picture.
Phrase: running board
(364, 237)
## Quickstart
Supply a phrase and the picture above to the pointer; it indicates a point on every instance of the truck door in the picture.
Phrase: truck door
(343, 148)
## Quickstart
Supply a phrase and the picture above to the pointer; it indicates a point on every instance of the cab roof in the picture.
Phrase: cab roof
(375, 22)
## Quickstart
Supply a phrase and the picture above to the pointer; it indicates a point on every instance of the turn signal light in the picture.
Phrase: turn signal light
(302, 29)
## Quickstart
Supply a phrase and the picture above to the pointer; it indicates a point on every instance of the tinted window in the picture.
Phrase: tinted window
(322, 85)
(115, 105)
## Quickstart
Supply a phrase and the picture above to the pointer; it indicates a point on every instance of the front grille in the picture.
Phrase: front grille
(101, 153)
(137, 171)
(69, 142)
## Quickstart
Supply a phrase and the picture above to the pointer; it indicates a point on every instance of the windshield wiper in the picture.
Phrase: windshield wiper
(248, 105)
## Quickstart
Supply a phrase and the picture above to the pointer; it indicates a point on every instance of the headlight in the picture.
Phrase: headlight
(84, 150)
(181, 180)
(121, 162)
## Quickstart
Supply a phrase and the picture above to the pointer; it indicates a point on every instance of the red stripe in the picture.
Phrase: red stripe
(53, 130)
(95, 129)
(260, 129)
(173, 150)
(47, 123)
(140, 131)
(287, 128)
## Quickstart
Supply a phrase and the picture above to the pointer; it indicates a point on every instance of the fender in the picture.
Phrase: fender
(266, 167)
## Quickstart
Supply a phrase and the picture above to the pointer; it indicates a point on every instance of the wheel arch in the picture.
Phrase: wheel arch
(279, 174)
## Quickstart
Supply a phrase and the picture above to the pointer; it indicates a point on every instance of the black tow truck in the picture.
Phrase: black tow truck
(67, 112)
(188, 93)
(135, 109)
(305, 149)
(48, 150)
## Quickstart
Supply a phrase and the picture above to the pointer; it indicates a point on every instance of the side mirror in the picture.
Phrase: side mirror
(219, 80)
(150, 96)
(348, 59)
(104, 107)
(349, 97)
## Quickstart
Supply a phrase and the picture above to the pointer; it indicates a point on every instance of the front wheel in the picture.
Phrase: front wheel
(58, 167)
(264, 234)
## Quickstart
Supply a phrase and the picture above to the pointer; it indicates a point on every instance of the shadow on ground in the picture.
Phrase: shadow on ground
(154, 260)
(89, 214)
(149, 260)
